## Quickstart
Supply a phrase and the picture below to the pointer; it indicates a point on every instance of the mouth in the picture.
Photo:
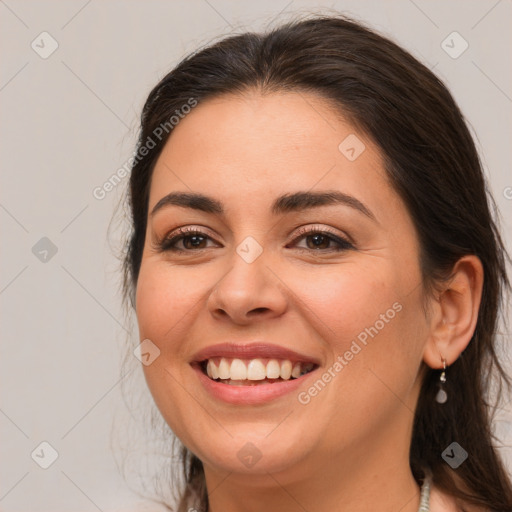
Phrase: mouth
(254, 372)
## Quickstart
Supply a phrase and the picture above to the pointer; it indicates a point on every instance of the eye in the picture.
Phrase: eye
(190, 238)
(322, 240)
(316, 240)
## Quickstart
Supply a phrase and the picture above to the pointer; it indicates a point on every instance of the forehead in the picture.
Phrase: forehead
(261, 146)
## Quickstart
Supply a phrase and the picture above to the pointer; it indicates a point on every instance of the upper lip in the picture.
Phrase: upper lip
(252, 350)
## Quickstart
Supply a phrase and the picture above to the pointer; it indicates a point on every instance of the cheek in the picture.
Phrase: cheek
(165, 297)
(347, 301)
(371, 319)
(374, 329)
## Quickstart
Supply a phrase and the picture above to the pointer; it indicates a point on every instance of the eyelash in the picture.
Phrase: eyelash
(169, 243)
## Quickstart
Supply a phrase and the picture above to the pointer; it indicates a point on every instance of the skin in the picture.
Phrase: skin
(348, 448)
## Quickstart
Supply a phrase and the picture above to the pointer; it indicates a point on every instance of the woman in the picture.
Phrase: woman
(317, 277)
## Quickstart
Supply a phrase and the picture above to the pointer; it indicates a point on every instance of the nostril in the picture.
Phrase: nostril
(258, 310)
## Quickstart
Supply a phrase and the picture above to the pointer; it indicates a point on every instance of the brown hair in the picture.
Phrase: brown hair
(431, 161)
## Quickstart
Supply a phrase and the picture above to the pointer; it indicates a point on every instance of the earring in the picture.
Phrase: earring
(442, 396)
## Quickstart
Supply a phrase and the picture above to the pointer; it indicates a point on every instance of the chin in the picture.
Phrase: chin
(254, 449)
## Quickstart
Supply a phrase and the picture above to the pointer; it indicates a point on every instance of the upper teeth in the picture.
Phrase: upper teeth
(255, 369)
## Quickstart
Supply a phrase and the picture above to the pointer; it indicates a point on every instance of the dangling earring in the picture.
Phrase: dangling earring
(442, 396)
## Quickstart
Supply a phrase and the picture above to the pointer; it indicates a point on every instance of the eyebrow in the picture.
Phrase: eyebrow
(292, 202)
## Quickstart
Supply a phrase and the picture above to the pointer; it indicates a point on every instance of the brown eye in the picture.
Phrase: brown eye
(190, 240)
(319, 240)
(194, 241)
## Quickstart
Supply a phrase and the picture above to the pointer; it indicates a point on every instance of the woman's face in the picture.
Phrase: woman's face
(282, 277)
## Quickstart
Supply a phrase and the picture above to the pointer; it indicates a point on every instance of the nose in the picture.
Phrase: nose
(248, 292)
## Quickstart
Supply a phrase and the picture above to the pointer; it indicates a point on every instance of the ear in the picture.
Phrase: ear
(455, 313)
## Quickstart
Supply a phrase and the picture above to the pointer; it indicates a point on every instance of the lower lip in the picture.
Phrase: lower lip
(249, 395)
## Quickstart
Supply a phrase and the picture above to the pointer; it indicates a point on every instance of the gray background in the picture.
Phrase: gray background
(68, 123)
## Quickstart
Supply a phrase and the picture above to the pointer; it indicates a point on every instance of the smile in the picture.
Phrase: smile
(252, 372)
